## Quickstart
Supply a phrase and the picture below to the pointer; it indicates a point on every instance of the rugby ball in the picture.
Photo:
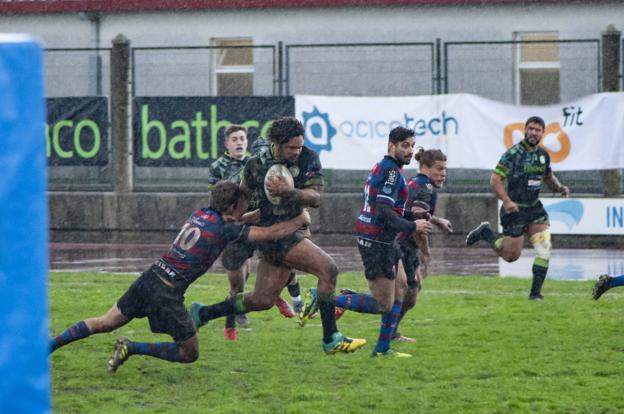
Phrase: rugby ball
(278, 170)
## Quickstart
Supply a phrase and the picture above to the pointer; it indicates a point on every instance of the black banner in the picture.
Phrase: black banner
(77, 131)
(188, 131)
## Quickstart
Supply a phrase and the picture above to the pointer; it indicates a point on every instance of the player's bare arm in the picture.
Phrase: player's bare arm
(279, 230)
(309, 196)
(442, 223)
(553, 183)
(498, 185)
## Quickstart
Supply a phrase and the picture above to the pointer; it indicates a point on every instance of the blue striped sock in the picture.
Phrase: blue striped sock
(358, 302)
(162, 350)
(388, 323)
(71, 334)
(616, 281)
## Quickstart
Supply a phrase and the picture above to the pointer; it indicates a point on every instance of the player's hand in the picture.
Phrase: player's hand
(444, 225)
(423, 226)
(564, 190)
(251, 217)
(420, 213)
(228, 218)
(304, 218)
(278, 185)
(510, 207)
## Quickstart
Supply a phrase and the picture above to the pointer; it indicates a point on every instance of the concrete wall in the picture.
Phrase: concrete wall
(315, 71)
(157, 218)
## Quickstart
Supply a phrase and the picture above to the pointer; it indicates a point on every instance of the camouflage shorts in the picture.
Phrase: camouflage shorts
(515, 224)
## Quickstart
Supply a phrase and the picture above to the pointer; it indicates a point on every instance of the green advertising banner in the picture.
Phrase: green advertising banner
(188, 131)
(77, 131)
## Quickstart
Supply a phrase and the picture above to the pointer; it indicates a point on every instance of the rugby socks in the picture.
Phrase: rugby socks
(162, 350)
(388, 325)
(358, 302)
(230, 321)
(540, 268)
(294, 290)
(398, 322)
(327, 309)
(234, 305)
(616, 281)
(71, 334)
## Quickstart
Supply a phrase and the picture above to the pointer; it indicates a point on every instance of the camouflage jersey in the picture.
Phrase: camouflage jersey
(306, 172)
(225, 168)
(524, 170)
(201, 240)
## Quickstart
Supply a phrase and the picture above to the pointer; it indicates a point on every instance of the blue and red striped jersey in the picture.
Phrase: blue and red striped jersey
(385, 184)
(200, 242)
(421, 189)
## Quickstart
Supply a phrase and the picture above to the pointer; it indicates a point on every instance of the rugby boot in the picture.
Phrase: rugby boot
(479, 233)
(242, 321)
(120, 354)
(601, 286)
(310, 306)
(397, 337)
(230, 334)
(284, 308)
(342, 344)
(194, 311)
(390, 354)
(297, 306)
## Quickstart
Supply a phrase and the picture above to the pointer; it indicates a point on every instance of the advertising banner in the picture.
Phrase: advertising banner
(188, 131)
(77, 131)
(352, 132)
(595, 216)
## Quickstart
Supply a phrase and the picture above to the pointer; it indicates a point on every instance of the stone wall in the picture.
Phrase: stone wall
(157, 217)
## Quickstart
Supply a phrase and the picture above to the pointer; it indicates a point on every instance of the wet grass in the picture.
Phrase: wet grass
(482, 348)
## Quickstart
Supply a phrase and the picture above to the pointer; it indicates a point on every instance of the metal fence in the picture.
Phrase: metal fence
(195, 70)
(490, 69)
(360, 69)
(486, 68)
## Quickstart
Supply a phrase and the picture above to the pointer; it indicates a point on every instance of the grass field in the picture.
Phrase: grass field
(482, 348)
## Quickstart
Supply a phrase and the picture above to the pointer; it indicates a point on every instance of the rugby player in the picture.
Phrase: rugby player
(523, 167)
(415, 252)
(158, 293)
(235, 257)
(296, 251)
(380, 221)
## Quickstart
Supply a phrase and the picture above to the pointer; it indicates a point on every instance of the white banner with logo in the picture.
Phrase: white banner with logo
(594, 216)
(352, 132)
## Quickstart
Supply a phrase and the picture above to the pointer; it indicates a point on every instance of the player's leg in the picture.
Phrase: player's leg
(235, 260)
(308, 257)
(185, 351)
(539, 236)
(111, 320)
(606, 282)
(389, 294)
(166, 314)
(294, 289)
(507, 245)
(270, 280)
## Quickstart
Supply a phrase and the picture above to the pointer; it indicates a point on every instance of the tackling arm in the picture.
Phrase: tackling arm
(279, 230)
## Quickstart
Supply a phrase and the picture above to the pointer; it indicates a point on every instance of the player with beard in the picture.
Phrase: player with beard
(523, 166)
(236, 255)
(296, 251)
(378, 224)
